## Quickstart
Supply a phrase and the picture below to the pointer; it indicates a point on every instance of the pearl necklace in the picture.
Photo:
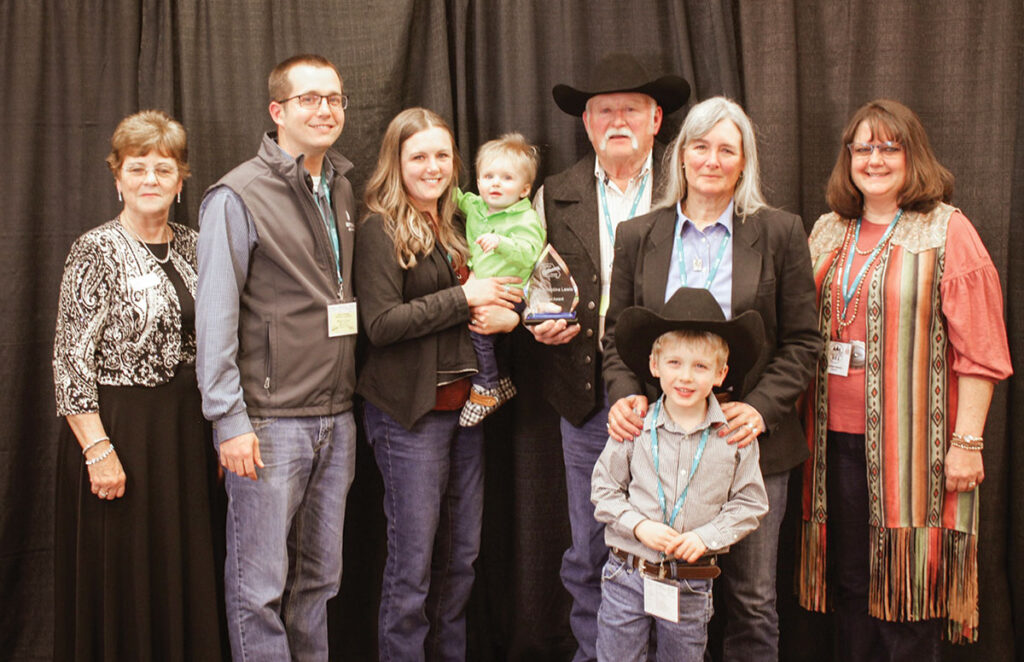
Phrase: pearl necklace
(167, 230)
(856, 248)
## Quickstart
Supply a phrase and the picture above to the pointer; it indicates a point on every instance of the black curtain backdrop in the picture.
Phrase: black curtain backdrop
(72, 69)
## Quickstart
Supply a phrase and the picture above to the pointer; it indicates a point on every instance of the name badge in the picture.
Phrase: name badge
(839, 354)
(661, 599)
(341, 319)
(143, 282)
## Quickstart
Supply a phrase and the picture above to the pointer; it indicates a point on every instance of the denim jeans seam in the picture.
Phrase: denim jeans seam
(387, 590)
(238, 589)
(441, 590)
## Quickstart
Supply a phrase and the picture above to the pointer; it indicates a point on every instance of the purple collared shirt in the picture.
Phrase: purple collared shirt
(701, 249)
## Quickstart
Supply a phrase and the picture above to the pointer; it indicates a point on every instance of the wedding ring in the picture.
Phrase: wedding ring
(507, 289)
(103, 494)
(972, 484)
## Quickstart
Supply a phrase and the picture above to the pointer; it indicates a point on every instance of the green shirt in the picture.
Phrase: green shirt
(521, 232)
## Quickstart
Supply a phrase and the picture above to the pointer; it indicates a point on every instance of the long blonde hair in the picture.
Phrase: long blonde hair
(409, 228)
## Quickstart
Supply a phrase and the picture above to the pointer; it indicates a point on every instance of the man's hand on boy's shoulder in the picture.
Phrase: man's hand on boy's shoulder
(626, 417)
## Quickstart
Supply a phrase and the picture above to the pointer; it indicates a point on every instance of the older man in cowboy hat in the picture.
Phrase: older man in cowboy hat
(622, 108)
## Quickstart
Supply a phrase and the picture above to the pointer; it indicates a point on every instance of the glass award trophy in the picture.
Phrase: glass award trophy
(550, 293)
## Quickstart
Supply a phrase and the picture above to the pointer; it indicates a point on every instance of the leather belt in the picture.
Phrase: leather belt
(706, 567)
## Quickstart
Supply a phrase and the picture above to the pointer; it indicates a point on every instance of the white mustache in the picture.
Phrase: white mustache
(624, 132)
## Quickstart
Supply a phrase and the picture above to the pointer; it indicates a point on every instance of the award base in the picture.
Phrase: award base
(538, 318)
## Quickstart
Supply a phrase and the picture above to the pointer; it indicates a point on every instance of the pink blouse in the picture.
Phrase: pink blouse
(972, 304)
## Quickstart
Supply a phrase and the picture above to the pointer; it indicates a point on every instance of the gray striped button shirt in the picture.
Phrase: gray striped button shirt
(726, 497)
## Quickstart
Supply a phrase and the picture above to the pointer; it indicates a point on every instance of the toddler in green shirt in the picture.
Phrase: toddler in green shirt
(505, 237)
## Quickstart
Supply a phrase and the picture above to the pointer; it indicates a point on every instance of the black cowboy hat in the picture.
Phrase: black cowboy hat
(621, 72)
(694, 309)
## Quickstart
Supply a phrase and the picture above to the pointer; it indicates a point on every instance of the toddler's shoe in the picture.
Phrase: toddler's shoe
(483, 401)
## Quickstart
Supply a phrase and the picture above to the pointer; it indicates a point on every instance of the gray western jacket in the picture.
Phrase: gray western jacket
(277, 263)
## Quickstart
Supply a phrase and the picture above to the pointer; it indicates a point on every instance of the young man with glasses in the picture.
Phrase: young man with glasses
(275, 319)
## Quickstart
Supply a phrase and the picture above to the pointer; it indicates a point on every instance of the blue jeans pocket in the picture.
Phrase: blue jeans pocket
(613, 568)
(696, 586)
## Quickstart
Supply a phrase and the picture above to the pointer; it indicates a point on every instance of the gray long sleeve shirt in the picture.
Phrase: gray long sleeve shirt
(726, 497)
(225, 244)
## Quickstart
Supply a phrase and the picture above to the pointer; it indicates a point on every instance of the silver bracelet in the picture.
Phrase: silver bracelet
(101, 456)
(93, 443)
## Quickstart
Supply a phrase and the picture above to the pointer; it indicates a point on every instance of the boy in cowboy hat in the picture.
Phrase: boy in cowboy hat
(677, 491)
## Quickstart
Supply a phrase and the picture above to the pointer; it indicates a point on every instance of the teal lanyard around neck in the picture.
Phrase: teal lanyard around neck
(329, 223)
(632, 209)
(669, 520)
(712, 272)
(849, 288)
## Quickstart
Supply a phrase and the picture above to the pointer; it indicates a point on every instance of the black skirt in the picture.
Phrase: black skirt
(140, 577)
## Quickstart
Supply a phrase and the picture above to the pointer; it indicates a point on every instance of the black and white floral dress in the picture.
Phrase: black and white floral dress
(137, 578)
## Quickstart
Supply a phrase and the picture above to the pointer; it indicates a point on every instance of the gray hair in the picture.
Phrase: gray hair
(699, 121)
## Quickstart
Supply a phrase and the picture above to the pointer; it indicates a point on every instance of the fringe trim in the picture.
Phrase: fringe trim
(811, 572)
(922, 573)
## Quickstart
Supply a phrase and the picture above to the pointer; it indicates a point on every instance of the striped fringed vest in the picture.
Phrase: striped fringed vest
(923, 539)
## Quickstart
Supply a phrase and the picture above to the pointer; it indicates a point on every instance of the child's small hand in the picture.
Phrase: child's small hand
(488, 241)
(655, 535)
(686, 546)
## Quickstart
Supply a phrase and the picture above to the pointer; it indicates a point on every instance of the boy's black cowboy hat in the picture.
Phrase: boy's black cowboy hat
(694, 309)
(621, 72)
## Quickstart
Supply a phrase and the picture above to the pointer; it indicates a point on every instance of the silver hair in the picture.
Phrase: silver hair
(699, 121)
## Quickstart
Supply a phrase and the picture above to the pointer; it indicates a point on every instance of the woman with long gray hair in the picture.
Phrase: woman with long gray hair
(711, 228)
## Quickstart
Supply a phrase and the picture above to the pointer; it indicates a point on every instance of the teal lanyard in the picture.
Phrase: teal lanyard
(848, 287)
(693, 468)
(714, 269)
(331, 225)
(632, 210)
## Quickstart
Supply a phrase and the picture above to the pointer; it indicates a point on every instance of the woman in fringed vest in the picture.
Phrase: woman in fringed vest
(910, 303)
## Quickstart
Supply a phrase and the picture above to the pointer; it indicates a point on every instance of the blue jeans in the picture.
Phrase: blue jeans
(624, 629)
(433, 499)
(859, 635)
(747, 584)
(582, 562)
(486, 360)
(284, 534)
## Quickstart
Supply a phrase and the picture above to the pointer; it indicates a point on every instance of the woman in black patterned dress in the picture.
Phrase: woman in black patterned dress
(137, 573)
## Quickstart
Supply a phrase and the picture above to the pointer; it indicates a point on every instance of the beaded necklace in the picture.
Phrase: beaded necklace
(880, 253)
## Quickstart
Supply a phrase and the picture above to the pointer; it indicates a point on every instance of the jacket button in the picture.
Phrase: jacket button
(586, 359)
(590, 333)
(591, 306)
(593, 278)
(588, 387)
